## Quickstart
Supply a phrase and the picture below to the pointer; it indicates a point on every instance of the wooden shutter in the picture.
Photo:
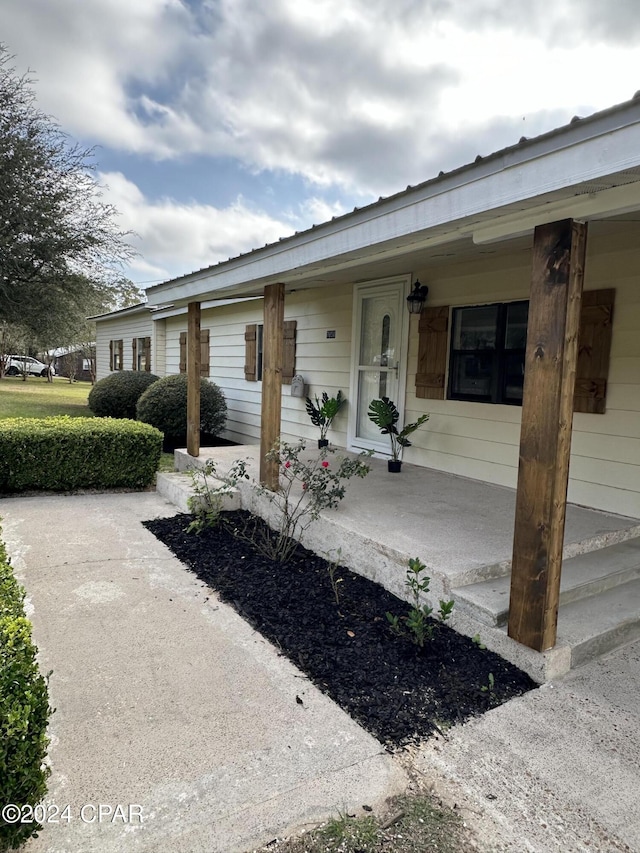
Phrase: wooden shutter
(204, 352)
(147, 354)
(432, 352)
(289, 351)
(120, 354)
(250, 352)
(183, 352)
(594, 349)
(111, 355)
(134, 350)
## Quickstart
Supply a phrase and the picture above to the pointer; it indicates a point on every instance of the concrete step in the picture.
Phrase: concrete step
(583, 576)
(178, 488)
(594, 626)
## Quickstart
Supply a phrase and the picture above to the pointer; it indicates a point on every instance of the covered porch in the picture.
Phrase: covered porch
(463, 530)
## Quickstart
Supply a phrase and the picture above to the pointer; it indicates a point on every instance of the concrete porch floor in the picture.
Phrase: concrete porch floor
(461, 528)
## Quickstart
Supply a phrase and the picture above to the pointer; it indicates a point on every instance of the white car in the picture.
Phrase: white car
(17, 364)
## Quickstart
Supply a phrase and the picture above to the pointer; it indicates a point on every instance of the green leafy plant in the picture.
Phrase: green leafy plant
(117, 395)
(24, 711)
(445, 609)
(63, 454)
(307, 486)
(333, 564)
(489, 689)
(418, 621)
(323, 412)
(209, 491)
(164, 406)
(384, 414)
(476, 639)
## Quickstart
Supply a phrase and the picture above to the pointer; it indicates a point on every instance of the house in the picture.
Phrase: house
(526, 355)
(75, 362)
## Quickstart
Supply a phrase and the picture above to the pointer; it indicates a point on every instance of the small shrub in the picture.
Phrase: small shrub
(164, 406)
(116, 395)
(418, 621)
(63, 454)
(24, 712)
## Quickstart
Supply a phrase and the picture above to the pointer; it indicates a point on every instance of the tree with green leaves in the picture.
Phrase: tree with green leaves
(61, 251)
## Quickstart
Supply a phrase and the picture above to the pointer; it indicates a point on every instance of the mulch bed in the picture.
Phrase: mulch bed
(394, 689)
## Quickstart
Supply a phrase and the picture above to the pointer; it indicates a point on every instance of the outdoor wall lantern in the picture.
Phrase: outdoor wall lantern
(417, 297)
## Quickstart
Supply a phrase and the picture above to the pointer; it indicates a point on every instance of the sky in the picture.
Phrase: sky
(222, 125)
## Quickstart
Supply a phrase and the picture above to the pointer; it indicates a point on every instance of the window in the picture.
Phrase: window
(141, 349)
(253, 337)
(487, 353)
(116, 355)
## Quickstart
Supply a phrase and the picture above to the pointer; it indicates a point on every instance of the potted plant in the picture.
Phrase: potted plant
(385, 416)
(323, 413)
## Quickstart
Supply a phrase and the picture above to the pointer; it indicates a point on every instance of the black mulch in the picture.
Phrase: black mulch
(397, 691)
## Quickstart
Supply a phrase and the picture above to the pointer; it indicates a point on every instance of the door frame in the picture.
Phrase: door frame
(367, 288)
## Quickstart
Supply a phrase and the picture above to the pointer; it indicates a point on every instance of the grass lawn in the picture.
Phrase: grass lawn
(37, 398)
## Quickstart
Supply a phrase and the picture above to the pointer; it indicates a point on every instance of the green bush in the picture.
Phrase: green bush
(24, 711)
(164, 405)
(116, 395)
(63, 454)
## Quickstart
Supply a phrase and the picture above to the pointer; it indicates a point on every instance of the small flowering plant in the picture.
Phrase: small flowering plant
(308, 484)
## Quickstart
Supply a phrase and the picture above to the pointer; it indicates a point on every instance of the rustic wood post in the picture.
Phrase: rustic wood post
(272, 357)
(193, 379)
(545, 437)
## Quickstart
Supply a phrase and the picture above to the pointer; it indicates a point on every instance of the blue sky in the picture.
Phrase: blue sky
(221, 125)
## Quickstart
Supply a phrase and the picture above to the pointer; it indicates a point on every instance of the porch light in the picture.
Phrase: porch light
(417, 297)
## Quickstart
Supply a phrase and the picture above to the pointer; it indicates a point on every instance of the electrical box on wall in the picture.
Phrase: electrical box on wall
(331, 333)
(298, 388)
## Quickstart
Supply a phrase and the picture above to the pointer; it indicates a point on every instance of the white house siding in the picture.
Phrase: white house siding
(324, 363)
(482, 440)
(158, 347)
(125, 327)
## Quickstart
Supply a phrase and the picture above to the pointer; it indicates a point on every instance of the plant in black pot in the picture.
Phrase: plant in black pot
(385, 416)
(322, 412)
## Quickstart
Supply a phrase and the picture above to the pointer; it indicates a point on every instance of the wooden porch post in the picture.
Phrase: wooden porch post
(193, 379)
(545, 438)
(272, 357)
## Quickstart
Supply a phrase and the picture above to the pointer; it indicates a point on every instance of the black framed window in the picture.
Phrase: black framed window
(488, 343)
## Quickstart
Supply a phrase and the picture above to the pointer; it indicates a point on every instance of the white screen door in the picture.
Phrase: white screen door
(378, 363)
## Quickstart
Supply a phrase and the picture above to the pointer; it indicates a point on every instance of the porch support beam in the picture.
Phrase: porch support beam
(545, 438)
(193, 379)
(272, 359)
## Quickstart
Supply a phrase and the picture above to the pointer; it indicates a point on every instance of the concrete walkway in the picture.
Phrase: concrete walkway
(554, 771)
(166, 699)
(169, 703)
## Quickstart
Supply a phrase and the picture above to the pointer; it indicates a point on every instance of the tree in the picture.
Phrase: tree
(61, 252)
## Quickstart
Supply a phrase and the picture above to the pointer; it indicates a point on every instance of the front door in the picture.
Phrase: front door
(379, 355)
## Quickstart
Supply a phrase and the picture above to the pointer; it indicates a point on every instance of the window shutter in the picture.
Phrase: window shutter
(594, 349)
(111, 355)
(432, 352)
(289, 351)
(251, 352)
(134, 350)
(147, 354)
(183, 352)
(204, 352)
(120, 354)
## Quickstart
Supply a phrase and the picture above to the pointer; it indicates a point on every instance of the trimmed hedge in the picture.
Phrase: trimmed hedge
(63, 454)
(24, 711)
(116, 395)
(164, 404)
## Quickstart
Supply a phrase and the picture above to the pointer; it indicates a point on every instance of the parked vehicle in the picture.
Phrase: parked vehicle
(17, 364)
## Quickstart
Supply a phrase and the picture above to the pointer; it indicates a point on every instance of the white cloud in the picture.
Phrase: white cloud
(362, 93)
(175, 238)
